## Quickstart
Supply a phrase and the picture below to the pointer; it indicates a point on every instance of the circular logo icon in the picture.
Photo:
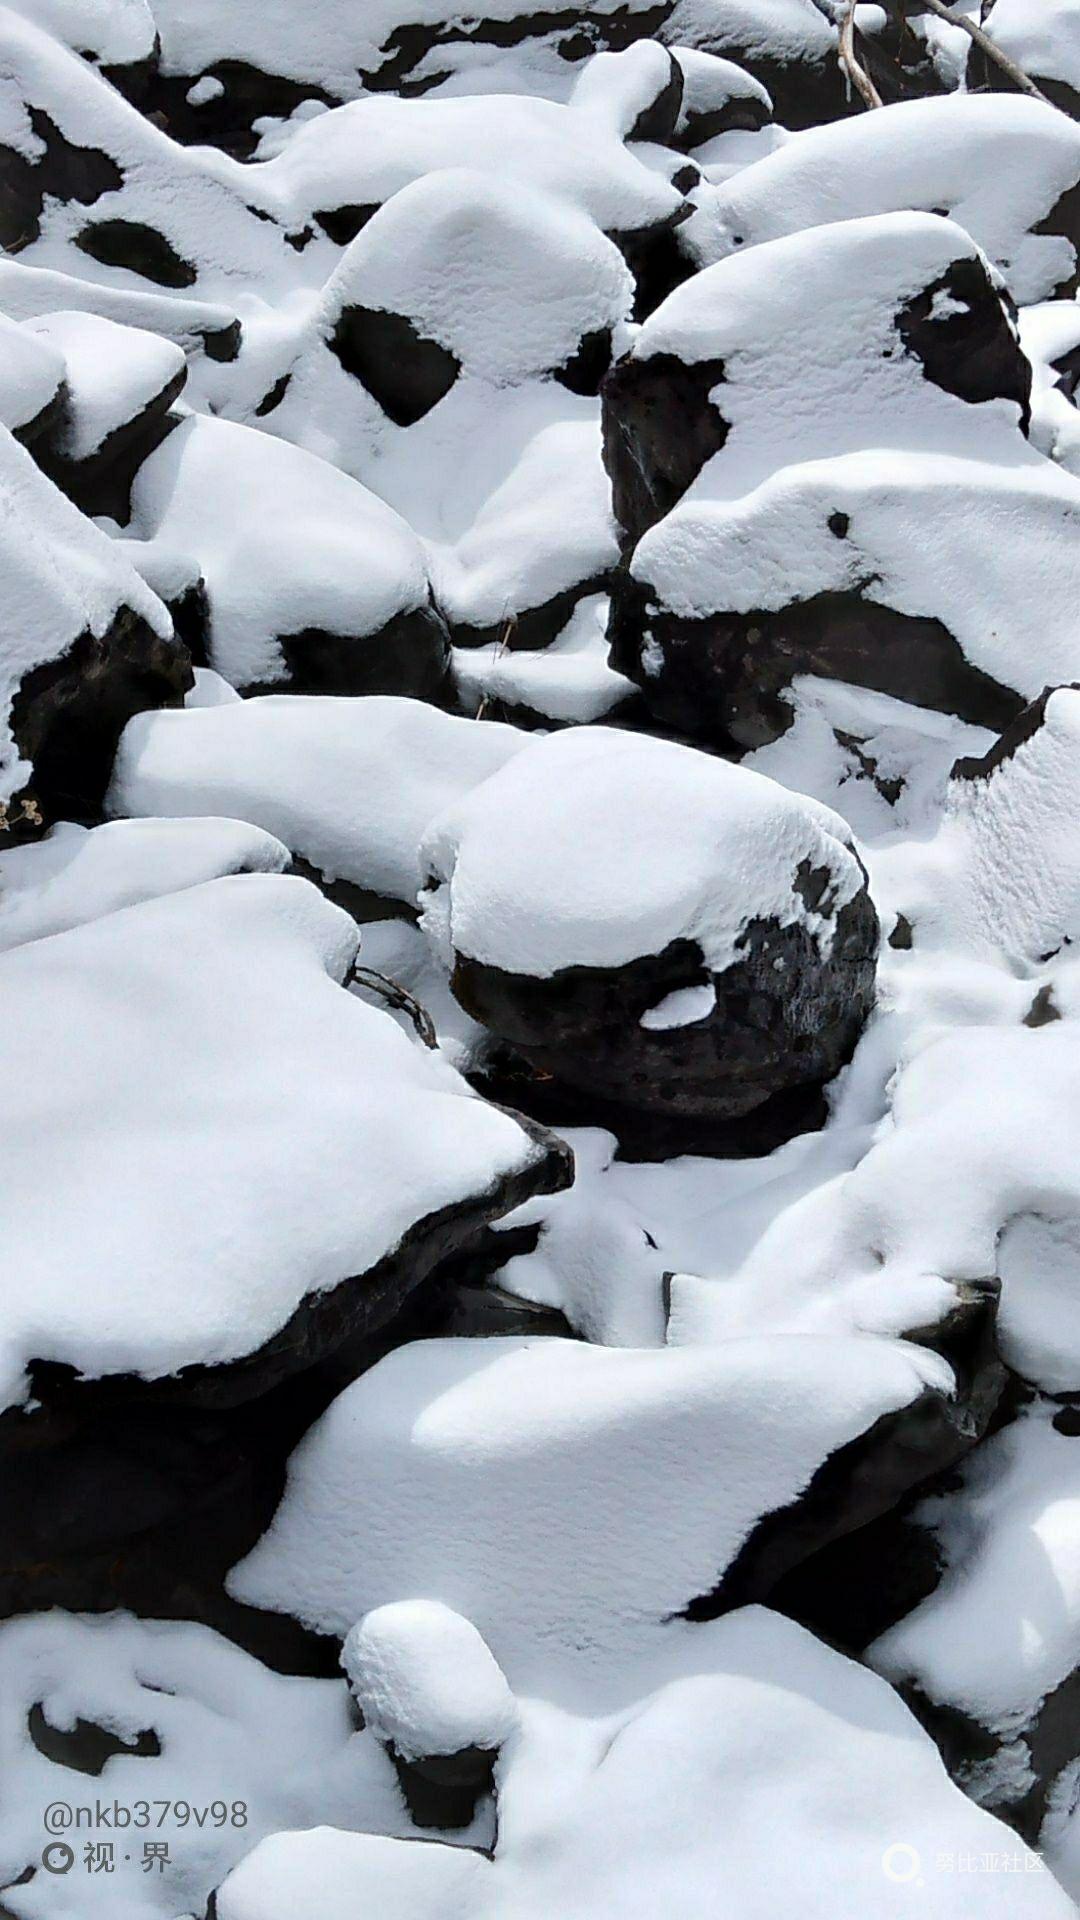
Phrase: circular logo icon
(901, 1862)
(58, 1857)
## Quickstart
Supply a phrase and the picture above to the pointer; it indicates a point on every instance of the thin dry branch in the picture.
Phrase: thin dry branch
(503, 642)
(399, 998)
(855, 73)
(987, 46)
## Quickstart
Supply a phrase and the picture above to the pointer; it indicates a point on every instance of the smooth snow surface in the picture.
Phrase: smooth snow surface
(75, 874)
(528, 1485)
(349, 785)
(672, 1805)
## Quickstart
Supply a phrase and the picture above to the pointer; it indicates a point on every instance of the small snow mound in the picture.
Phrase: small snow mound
(426, 1681)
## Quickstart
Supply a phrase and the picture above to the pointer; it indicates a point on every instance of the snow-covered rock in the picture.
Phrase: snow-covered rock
(660, 1805)
(31, 377)
(1043, 41)
(169, 1711)
(338, 50)
(84, 644)
(119, 385)
(26, 293)
(350, 786)
(356, 156)
(599, 874)
(116, 377)
(311, 580)
(75, 874)
(851, 511)
(788, 45)
(996, 1647)
(432, 1694)
(209, 1028)
(425, 1682)
(1003, 166)
(96, 191)
(530, 1486)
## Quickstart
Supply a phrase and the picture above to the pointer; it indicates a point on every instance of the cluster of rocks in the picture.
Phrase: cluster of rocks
(537, 928)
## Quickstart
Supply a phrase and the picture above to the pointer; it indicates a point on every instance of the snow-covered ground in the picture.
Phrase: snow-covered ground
(539, 997)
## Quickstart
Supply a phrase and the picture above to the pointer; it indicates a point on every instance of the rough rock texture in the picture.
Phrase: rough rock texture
(69, 713)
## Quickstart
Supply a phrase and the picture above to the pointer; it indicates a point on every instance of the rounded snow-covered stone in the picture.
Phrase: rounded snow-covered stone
(202, 1046)
(425, 1680)
(312, 581)
(31, 381)
(718, 97)
(117, 377)
(638, 93)
(1043, 41)
(528, 1483)
(788, 45)
(466, 272)
(653, 925)
(950, 154)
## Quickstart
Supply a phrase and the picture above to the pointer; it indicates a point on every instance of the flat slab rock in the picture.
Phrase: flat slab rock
(193, 1101)
(528, 1484)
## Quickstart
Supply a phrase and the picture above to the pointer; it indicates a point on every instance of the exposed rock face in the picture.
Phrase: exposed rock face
(776, 1019)
(84, 645)
(69, 713)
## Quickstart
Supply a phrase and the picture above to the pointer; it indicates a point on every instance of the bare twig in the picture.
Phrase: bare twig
(400, 999)
(505, 638)
(987, 46)
(855, 73)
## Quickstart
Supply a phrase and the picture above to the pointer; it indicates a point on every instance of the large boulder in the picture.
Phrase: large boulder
(656, 929)
(517, 1482)
(768, 536)
(946, 154)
